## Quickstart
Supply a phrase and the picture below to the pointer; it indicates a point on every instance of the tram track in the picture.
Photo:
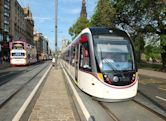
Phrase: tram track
(23, 85)
(128, 110)
(152, 101)
(4, 80)
(110, 113)
(15, 74)
(149, 109)
(118, 116)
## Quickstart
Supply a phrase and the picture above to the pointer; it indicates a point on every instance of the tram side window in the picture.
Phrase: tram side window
(85, 62)
(73, 51)
(66, 56)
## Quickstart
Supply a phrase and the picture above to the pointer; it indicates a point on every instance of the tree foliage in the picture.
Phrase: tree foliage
(140, 17)
(80, 24)
(103, 15)
(152, 52)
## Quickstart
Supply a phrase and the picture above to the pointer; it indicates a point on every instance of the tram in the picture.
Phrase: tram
(22, 53)
(102, 63)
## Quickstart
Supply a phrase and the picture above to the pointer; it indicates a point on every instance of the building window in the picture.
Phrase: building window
(1, 37)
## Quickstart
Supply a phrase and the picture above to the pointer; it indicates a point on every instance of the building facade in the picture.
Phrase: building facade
(29, 25)
(65, 43)
(5, 16)
(41, 44)
(15, 23)
(22, 22)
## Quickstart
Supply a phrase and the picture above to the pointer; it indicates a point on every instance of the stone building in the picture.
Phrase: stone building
(83, 10)
(4, 27)
(41, 44)
(22, 22)
(29, 25)
(15, 23)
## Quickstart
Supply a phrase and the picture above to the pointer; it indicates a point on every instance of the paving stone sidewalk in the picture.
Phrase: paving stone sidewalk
(53, 103)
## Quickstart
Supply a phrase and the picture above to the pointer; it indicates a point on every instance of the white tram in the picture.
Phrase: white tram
(22, 53)
(101, 61)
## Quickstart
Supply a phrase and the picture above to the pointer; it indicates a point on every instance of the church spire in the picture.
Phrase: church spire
(83, 10)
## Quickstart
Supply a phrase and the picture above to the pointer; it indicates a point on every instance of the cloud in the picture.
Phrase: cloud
(43, 18)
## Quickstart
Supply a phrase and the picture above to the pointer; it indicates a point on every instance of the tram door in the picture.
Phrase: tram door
(76, 62)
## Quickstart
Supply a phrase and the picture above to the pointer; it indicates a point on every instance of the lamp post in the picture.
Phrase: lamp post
(56, 24)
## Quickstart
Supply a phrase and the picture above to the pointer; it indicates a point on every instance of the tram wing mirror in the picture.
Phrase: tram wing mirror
(83, 39)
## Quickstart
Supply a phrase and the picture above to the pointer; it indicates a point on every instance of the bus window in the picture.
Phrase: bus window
(18, 46)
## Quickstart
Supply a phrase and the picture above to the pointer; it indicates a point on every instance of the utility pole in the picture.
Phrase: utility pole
(56, 25)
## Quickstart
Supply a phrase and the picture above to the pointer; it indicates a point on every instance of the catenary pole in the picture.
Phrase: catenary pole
(56, 25)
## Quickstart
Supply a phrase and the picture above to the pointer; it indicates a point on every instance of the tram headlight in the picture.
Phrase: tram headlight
(133, 78)
(105, 76)
(115, 79)
(107, 79)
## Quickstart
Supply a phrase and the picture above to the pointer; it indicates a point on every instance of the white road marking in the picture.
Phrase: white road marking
(84, 110)
(162, 89)
(163, 99)
(28, 100)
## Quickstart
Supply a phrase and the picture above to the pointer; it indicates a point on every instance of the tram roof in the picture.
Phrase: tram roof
(107, 31)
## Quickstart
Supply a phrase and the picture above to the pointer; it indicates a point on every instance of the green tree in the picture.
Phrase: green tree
(156, 14)
(163, 46)
(152, 52)
(139, 45)
(129, 18)
(81, 23)
(141, 17)
(104, 14)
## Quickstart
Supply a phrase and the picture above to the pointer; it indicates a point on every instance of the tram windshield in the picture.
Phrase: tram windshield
(114, 53)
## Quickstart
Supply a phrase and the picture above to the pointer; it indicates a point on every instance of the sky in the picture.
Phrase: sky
(43, 12)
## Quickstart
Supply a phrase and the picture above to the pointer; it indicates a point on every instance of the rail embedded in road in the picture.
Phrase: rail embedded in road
(14, 92)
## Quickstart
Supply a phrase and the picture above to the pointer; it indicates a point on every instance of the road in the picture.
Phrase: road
(16, 83)
(154, 89)
(140, 108)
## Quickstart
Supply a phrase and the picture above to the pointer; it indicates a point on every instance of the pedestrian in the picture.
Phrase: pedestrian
(53, 61)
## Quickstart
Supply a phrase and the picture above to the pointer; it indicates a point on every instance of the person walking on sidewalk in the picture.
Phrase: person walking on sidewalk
(53, 61)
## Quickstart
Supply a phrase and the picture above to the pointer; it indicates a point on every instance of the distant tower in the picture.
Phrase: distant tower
(83, 10)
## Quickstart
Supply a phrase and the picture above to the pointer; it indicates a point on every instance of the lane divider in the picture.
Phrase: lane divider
(82, 106)
(18, 115)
